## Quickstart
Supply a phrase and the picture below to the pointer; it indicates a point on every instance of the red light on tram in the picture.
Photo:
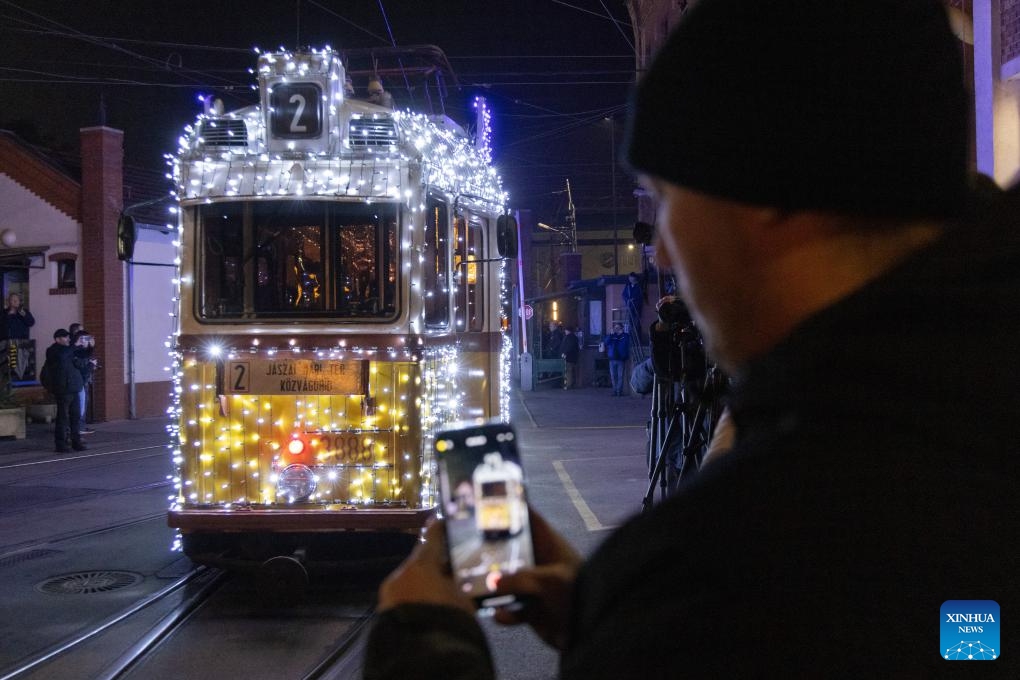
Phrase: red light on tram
(296, 447)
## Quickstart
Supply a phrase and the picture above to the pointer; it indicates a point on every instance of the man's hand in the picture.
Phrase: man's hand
(547, 588)
(424, 577)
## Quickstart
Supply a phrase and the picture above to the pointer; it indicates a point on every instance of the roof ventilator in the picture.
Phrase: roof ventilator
(224, 132)
(372, 132)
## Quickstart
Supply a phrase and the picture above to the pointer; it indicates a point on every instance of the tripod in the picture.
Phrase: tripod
(692, 431)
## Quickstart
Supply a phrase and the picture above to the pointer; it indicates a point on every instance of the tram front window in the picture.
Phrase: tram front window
(298, 259)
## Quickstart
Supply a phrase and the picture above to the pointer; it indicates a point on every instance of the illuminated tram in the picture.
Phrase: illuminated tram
(500, 508)
(340, 299)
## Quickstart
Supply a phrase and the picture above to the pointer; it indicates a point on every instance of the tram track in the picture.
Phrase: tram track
(44, 664)
(213, 624)
(238, 632)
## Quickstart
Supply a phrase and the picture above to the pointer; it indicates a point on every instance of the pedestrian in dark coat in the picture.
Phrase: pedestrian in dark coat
(570, 352)
(617, 346)
(64, 377)
(553, 338)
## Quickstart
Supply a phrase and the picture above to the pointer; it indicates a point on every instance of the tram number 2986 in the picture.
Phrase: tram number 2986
(346, 448)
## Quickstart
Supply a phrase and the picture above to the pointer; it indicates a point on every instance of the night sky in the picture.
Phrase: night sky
(554, 72)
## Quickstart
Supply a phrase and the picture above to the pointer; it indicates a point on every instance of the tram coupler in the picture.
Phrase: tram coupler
(283, 578)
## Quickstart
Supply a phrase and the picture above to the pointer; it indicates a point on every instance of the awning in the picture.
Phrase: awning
(29, 257)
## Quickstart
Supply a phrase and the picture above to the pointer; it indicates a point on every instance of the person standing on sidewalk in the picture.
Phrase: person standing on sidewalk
(64, 380)
(617, 346)
(815, 204)
(551, 340)
(570, 352)
(84, 348)
(634, 302)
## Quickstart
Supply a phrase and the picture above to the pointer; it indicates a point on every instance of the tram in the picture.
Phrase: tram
(500, 509)
(340, 298)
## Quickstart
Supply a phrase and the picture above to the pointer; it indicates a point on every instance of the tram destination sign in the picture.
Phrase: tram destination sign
(294, 376)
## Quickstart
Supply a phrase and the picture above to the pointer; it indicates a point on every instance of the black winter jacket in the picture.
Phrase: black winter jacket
(65, 369)
(874, 478)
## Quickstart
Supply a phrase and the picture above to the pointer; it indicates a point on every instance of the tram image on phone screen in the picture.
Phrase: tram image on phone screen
(482, 487)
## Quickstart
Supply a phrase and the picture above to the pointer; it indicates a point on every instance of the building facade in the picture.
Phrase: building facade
(58, 251)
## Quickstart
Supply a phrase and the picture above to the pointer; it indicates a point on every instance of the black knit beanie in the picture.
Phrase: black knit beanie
(838, 105)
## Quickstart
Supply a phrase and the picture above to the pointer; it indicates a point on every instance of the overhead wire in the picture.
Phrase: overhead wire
(347, 21)
(393, 42)
(84, 37)
(616, 23)
(549, 122)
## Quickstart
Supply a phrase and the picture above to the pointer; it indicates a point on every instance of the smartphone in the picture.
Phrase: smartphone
(485, 505)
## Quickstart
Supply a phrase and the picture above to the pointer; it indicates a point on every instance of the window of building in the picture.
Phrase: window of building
(66, 273)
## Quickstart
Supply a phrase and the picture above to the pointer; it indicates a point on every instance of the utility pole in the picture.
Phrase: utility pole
(571, 219)
(616, 224)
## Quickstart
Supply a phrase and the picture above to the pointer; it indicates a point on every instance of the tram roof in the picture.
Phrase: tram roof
(363, 151)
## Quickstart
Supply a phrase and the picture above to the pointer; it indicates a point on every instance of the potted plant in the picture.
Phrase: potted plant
(12, 413)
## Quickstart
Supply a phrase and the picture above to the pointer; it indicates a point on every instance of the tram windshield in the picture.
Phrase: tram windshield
(297, 259)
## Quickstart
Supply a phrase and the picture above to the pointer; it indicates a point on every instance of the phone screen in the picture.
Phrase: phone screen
(482, 488)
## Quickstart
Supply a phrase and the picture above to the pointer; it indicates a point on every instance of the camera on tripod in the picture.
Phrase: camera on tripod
(677, 349)
(673, 312)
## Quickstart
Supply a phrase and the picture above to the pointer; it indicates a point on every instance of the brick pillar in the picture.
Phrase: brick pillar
(101, 279)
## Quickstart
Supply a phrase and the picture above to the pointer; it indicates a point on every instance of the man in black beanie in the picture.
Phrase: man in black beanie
(809, 159)
(63, 378)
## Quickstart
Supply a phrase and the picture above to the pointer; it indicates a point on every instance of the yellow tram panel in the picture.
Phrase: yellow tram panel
(352, 449)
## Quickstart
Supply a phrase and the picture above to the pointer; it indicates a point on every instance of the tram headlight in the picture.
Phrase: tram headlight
(296, 482)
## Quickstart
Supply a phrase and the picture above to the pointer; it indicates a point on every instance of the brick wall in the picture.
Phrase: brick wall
(1010, 30)
(102, 274)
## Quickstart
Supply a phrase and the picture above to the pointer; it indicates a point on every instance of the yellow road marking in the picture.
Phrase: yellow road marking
(591, 522)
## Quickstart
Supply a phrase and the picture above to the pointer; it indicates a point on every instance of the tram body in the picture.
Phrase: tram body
(339, 300)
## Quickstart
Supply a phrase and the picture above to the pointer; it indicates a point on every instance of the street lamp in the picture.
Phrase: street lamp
(568, 238)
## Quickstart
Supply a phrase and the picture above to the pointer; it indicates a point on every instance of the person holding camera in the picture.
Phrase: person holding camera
(17, 319)
(84, 348)
(617, 348)
(63, 378)
(815, 204)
